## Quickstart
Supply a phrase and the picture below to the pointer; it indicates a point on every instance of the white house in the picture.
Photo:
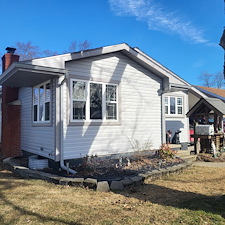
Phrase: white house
(109, 100)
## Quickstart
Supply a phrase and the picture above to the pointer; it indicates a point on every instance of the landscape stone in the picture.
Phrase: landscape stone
(103, 186)
(137, 179)
(127, 182)
(90, 182)
(116, 185)
(77, 182)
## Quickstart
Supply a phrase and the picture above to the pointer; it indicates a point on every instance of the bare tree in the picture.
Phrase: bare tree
(74, 46)
(27, 51)
(212, 80)
(84, 45)
(219, 80)
(46, 53)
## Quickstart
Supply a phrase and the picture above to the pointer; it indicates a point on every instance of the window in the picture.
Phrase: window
(41, 102)
(79, 99)
(173, 105)
(92, 101)
(111, 102)
(95, 101)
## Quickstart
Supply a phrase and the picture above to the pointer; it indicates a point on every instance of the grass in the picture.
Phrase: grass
(197, 196)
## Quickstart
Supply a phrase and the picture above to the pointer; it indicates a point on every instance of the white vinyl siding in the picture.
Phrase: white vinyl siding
(36, 139)
(138, 101)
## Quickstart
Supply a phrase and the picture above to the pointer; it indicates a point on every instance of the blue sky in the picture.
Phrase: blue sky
(181, 35)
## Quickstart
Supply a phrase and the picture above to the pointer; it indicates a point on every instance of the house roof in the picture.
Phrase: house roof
(212, 92)
(215, 104)
(18, 73)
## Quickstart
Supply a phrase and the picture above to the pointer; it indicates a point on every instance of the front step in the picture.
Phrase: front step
(191, 158)
(185, 155)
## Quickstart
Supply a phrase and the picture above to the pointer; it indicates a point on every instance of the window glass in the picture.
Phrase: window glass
(179, 101)
(172, 105)
(166, 100)
(79, 110)
(179, 110)
(35, 112)
(166, 109)
(47, 111)
(78, 90)
(41, 103)
(35, 96)
(47, 93)
(111, 111)
(110, 93)
(95, 101)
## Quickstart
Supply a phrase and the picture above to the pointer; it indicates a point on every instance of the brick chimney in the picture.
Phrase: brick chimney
(10, 145)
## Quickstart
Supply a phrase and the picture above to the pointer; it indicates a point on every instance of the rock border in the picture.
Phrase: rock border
(92, 183)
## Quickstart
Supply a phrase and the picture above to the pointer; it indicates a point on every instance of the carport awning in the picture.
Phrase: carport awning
(27, 75)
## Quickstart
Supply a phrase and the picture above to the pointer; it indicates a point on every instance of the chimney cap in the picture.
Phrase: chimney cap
(10, 50)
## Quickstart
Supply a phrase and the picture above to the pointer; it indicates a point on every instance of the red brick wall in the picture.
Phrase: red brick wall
(11, 130)
(10, 114)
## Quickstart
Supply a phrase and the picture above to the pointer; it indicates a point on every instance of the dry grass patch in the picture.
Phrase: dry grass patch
(193, 197)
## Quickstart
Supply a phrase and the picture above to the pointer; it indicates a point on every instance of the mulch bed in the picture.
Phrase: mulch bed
(113, 168)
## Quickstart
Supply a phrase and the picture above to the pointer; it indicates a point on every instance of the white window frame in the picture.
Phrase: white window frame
(43, 120)
(176, 105)
(87, 100)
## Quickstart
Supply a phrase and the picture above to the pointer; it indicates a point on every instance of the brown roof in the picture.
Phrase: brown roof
(217, 91)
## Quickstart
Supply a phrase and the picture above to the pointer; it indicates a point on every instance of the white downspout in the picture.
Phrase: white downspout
(62, 165)
(163, 118)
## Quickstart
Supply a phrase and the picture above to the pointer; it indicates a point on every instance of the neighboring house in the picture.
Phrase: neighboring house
(110, 100)
(212, 92)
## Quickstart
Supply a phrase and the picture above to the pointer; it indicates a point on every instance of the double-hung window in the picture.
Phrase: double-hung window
(92, 101)
(79, 100)
(41, 102)
(173, 105)
(111, 102)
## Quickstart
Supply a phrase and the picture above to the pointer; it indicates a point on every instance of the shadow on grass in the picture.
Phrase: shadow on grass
(179, 199)
(8, 182)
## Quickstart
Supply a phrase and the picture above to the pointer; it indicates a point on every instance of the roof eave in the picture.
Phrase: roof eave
(26, 75)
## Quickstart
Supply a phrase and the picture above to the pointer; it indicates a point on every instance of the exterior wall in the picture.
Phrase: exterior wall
(37, 139)
(192, 99)
(11, 127)
(139, 108)
(181, 123)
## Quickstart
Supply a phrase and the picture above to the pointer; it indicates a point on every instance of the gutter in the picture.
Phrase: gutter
(62, 165)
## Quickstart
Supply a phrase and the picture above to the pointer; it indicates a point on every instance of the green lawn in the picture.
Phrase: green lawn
(196, 196)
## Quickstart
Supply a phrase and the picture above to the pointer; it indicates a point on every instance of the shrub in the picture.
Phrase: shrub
(166, 152)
